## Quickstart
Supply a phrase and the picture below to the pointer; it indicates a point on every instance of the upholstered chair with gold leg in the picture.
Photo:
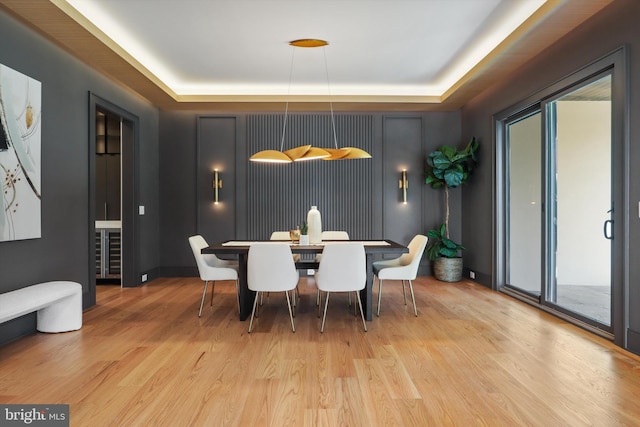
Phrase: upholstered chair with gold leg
(211, 268)
(404, 268)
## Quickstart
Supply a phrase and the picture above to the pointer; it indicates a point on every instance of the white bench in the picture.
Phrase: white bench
(59, 305)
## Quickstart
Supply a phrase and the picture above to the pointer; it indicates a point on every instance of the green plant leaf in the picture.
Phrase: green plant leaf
(449, 244)
(441, 162)
(449, 253)
(453, 177)
(448, 151)
(434, 234)
(433, 252)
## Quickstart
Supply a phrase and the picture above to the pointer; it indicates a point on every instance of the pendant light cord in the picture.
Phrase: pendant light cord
(286, 108)
(333, 123)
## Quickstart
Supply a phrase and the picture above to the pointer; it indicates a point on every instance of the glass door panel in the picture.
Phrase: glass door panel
(524, 229)
(580, 198)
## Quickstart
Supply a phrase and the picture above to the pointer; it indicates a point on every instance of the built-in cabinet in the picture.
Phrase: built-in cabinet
(108, 249)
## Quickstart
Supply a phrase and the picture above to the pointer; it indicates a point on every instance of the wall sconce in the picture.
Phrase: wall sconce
(404, 184)
(217, 184)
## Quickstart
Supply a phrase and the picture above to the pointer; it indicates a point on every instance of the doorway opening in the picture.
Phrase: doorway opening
(108, 197)
(113, 195)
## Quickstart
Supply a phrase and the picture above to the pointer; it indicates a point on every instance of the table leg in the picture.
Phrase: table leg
(246, 296)
(366, 295)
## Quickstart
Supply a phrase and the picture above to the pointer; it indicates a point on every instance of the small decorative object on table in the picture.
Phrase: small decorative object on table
(304, 236)
(315, 225)
(294, 235)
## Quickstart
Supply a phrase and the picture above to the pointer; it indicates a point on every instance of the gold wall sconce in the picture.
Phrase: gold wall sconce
(404, 184)
(217, 184)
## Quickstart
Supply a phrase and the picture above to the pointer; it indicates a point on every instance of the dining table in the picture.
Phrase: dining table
(240, 248)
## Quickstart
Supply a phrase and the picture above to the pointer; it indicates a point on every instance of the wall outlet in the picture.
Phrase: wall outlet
(472, 274)
(140, 210)
(144, 278)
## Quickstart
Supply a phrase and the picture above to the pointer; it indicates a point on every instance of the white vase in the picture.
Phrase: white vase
(304, 240)
(314, 222)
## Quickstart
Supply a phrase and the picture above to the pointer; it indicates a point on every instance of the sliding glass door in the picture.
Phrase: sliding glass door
(559, 202)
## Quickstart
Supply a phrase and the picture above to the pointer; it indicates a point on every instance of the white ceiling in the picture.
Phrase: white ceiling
(383, 48)
(233, 55)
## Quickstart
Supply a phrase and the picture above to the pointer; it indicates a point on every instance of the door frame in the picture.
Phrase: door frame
(129, 196)
(615, 63)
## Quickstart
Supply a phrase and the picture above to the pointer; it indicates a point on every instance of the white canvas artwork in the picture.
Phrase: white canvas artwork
(20, 108)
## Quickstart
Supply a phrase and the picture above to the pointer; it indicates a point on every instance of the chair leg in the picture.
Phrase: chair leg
(238, 294)
(293, 327)
(255, 303)
(326, 304)
(355, 310)
(293, 300)
(413, 298)
(319, 303)
(379, 294)
(296, 298)
(204, 294)
(404, 293)
(362, 312)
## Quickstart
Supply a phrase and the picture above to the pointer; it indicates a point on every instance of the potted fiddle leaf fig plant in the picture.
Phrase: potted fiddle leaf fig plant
(448, 168)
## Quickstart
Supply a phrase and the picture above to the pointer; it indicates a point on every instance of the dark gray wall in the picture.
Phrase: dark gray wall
(615, 26)
(63, 251)
(178, 159)
(217, 222)
(193, 143)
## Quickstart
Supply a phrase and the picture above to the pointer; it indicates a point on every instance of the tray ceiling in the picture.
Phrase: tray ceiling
(234, 54)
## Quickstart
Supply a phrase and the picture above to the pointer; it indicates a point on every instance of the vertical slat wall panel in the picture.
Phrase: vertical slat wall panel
(279, 195)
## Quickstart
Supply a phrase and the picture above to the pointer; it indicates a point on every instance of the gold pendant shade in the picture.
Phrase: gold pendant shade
(308, 152)
(270, 156)
(355, 153)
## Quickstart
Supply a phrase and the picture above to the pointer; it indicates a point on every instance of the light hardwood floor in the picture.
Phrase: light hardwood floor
(472, 357)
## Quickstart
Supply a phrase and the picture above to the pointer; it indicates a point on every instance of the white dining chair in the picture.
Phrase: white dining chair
(404, 268)
(331, 235)
(280, 235)
(212, 268)
(343, 269)
(285, 235)
(270, 268)
(334, 235)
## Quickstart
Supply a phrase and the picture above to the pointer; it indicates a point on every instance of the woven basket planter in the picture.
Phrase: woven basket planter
(448, 269)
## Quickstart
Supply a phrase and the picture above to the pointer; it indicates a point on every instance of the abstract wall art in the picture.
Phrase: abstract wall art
(20, 153)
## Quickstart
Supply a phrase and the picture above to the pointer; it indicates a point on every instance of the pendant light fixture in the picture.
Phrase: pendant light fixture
(308, 152)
